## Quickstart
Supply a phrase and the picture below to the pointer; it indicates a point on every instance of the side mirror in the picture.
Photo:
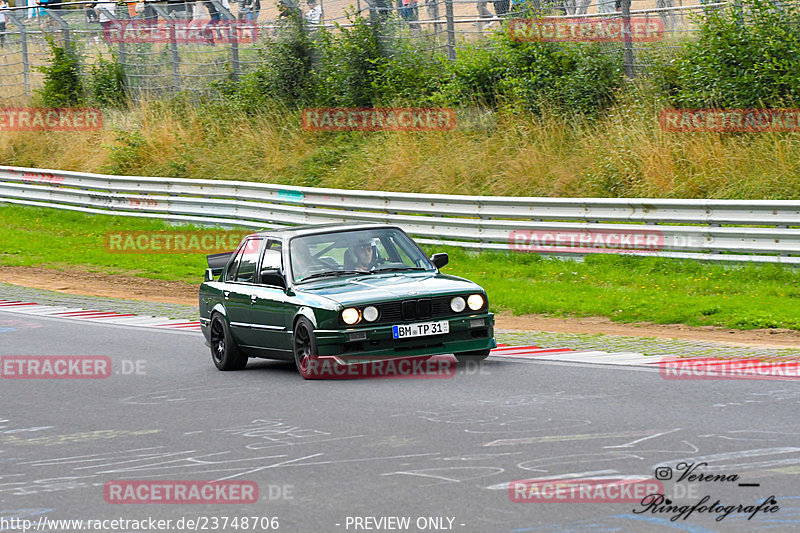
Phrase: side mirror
(440, 260)
(209, 274)
(273, 277)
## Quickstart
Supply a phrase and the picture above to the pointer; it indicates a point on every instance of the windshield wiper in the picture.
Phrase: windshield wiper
(395, 269)
(331, 273)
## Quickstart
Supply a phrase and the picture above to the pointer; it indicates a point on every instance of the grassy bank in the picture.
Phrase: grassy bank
(625, 289)
(533, 118)
(621, 154)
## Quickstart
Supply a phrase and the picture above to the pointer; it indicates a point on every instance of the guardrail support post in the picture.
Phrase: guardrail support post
(234, 53)
(627, 44)
(451, 30)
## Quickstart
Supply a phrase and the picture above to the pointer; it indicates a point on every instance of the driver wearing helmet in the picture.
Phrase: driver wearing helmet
(363, 254)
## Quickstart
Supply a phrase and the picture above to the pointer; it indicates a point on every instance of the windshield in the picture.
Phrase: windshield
(358, 252)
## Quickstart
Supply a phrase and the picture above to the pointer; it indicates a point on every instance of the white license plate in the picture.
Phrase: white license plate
(421, 329)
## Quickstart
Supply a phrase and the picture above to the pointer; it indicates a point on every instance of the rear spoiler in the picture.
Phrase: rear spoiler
(217, 262)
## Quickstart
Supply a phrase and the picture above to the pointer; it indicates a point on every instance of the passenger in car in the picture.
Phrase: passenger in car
(303, 263)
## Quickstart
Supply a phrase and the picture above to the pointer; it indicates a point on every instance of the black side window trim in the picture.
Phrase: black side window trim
(233, 266)
(241, 254)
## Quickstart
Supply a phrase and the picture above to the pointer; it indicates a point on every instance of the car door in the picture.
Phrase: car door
(239, 289)
(268, 303)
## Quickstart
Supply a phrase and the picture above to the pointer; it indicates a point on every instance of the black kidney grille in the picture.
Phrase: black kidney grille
(409, 309)
(424, 308)
(420, 309)
(390, 312)
(441, 306)
(414, 309)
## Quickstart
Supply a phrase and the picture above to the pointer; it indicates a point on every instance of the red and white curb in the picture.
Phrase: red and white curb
(131, 319)
(573, 356)
(106, 317)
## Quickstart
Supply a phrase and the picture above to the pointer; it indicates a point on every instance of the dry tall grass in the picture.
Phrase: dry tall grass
(623, 154)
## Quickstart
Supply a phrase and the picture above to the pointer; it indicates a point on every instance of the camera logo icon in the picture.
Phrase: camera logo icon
(663, 473)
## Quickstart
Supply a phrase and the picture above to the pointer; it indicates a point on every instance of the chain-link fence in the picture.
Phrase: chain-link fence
(172, 46)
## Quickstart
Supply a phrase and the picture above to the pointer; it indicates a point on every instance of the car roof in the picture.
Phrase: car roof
(315, 229)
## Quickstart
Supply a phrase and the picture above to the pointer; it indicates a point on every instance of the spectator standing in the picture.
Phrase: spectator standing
(288, 6)
(178, 9)
(246, 10)
(91, 14)
(47, 23)
(102, 9)
(432, 8)
(409, 11)
(213, 22)
(582, 6)
(314, 12)
(3, 10)
(484, 13)
(606, 6)
(150, 14)
(501, 7)
(667, 17)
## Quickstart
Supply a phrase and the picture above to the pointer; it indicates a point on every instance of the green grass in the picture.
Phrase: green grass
(623, 288)
(634, 289)
(64, 239)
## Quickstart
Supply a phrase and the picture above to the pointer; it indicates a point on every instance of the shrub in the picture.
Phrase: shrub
(745, 56)
(106, 82)
(568, 78)
(286, 72)
(350, 61)
(62, 80)
(409, 75)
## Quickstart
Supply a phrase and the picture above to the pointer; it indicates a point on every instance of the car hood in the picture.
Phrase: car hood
(377, 288)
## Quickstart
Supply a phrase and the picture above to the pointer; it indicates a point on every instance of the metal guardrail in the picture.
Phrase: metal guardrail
(725, 230)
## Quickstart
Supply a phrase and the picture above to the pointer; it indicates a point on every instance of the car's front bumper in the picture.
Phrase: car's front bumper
(470, 333)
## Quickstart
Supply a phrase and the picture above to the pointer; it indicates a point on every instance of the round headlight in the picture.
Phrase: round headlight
(457, 304)
(370, 313)
(351, 316)
(475, 302)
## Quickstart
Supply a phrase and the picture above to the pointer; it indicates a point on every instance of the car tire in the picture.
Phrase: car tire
(304, 347)
(224, 351)
(475, 355)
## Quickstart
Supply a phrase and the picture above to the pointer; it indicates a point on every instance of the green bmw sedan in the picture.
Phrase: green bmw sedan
(355, 293)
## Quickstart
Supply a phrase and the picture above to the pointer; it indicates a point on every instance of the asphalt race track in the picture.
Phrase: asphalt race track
(366, 454)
